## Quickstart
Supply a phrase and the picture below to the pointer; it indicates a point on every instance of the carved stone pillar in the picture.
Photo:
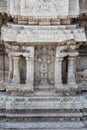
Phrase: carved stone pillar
(30, 72)
(29, 56)
(60, 54)
(58, 71)
(16, 71)
(72, 67)
(10, 69)
(27, 70)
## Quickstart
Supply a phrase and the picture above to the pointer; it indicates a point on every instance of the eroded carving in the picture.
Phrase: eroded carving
(45, 7)
(44, 62)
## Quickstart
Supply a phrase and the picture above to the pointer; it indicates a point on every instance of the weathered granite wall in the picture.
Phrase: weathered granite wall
(38, 107)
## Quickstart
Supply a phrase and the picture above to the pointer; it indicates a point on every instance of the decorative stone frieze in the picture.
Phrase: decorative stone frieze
(43, 9)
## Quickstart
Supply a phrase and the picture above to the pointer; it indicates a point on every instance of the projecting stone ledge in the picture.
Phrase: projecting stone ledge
(8, 102)
(37, 34)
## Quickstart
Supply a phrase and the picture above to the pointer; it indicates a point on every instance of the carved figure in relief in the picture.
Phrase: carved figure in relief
(28, 6)
(45, 6)
(44, 59)
(44, 67)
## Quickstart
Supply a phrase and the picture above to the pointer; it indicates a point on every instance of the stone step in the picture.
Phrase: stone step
(48, 129)
(42, 102)
(44, 115)
(41, 115)
(42, 126)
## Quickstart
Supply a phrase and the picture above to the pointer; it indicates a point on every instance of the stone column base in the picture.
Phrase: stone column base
(19, 89)
(66, 90)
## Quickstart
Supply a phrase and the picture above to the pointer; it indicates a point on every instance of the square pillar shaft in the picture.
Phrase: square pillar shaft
(16, 71)
(58, 71)
(72, 67)
(10, 68)
(30, 69)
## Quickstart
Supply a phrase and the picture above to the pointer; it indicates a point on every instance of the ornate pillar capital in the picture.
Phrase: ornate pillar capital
(73, 54)
(72, 46)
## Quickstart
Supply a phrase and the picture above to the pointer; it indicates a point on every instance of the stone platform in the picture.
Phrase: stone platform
(43, 126)
(42, 112)
(41, 41)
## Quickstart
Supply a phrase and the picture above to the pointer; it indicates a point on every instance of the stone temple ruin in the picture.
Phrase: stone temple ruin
(43, 64)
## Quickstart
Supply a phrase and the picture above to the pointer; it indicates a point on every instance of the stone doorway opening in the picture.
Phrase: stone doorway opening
(22, 64)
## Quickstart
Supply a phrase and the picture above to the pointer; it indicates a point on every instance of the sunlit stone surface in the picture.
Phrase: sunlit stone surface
(43, 64)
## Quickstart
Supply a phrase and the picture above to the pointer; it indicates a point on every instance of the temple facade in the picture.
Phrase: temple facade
(43, 64)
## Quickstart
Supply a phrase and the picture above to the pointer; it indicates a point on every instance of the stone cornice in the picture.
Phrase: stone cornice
(30, 34)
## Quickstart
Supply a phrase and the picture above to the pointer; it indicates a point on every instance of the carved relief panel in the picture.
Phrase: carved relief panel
(44, 66)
